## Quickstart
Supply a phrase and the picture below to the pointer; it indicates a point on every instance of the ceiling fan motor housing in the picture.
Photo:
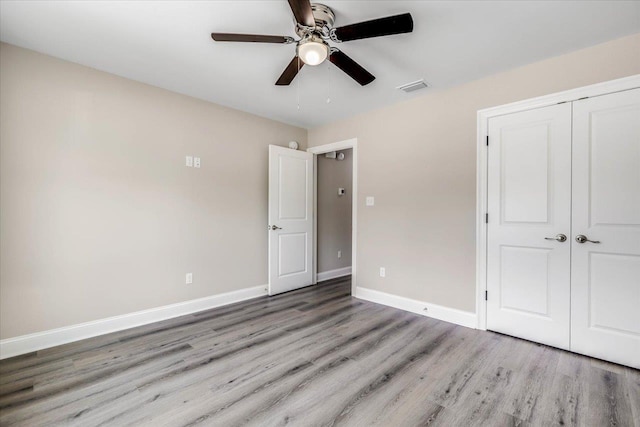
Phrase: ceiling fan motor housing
(324, 18)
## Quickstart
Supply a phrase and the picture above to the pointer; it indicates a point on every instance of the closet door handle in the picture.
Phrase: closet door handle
(559, 237)
(581, 238)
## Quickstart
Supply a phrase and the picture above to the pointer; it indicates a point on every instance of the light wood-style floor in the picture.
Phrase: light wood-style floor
(313, 357)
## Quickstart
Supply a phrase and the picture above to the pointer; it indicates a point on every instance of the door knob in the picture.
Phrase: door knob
(274, 227)
(581, 238)
(559, 238)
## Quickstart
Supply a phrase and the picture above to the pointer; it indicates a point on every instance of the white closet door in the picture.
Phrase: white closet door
(605, 281)
(529, 200)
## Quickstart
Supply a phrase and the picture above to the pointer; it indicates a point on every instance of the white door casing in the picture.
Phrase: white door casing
(290, 219)
(529, 202)
(605, 296)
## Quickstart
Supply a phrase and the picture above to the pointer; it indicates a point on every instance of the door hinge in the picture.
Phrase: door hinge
(486, 295)
(486, 218)
(487, 140)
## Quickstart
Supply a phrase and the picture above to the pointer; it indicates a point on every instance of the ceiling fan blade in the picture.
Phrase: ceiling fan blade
(302, 12)
(256, 38)
(396, 24)
(351, 67)
(290, 72)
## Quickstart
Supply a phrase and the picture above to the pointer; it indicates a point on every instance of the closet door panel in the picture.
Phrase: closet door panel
(605, 276)
(529, 202)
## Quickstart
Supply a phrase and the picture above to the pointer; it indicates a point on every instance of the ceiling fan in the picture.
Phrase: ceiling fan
(314, 26)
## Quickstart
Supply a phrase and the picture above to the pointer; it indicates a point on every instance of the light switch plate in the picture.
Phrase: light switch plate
(196, 162)
(370, 201)
(189, 161)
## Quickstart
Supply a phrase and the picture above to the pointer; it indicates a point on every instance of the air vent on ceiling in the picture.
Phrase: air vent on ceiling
(410, 87)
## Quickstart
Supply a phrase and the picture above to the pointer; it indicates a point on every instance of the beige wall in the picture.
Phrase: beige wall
(100, 217)
(334, 212)
(98, 214)
(418, 159)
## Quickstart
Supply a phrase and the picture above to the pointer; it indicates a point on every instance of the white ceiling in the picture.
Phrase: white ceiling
(168, 44)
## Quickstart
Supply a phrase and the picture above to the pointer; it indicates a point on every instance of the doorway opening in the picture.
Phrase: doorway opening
(335, 211)
(334, 193)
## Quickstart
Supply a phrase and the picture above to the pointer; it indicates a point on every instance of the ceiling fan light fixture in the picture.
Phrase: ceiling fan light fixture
(314, 25)
(313, 51)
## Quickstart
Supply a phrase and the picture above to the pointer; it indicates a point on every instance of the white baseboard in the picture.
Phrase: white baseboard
(332, 274)
(452, 315)
(28, 343)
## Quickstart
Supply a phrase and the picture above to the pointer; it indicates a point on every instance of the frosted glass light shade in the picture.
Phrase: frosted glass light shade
(313, 53)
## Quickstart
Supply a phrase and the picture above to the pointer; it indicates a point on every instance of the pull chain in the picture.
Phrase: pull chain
(298, 85)
(330, 81)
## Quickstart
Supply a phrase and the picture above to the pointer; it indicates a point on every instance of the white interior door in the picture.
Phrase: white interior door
(529, 204)
(605, 276)
(290, 219)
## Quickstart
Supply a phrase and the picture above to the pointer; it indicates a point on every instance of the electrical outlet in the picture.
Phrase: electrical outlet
(189, 161)
(189, 278)
(339, 254)
(196, 162)
(383, 272)
(370, 201)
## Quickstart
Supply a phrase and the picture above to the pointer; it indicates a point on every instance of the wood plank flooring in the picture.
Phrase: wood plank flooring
(313, 357)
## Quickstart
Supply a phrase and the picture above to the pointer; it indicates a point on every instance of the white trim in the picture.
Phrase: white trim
(598, 89)
(333, 274)
(314, 262)
(451, 315)
(28, 343)
(327, 148)
(334, 146)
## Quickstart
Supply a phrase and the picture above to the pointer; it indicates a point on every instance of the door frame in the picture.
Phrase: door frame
(483, 117)
(327, 148)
